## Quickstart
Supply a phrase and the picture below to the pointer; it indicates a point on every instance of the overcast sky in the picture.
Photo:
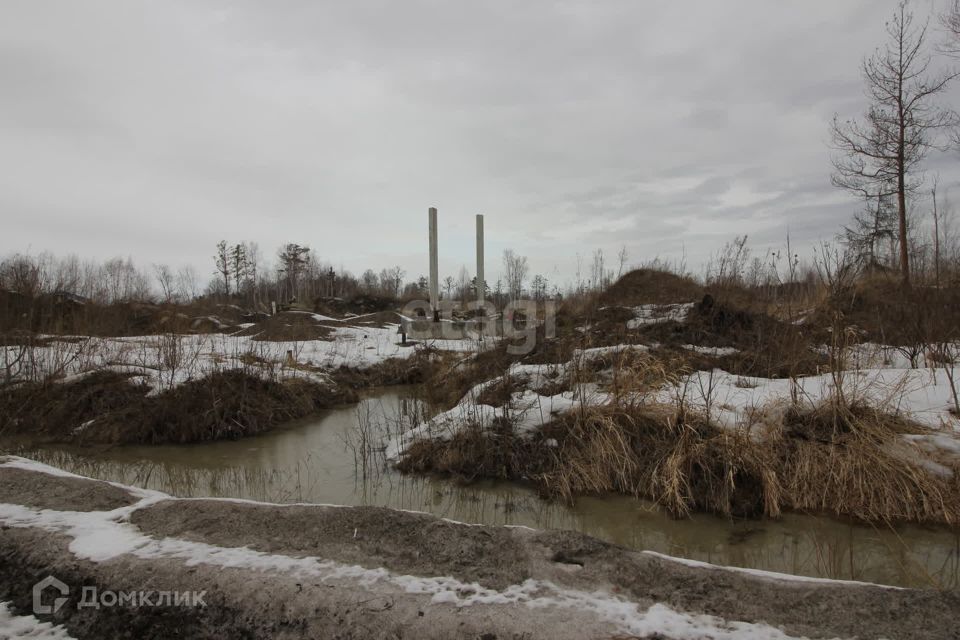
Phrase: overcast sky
(154, 129)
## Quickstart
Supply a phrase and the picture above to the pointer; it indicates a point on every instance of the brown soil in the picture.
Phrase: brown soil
(650, 286)
(290, 326)
(369, 536)
(282, 604)
(359, 304)
(63, 313)
(42, 491)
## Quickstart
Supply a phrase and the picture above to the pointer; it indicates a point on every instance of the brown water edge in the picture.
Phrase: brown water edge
(313, 460)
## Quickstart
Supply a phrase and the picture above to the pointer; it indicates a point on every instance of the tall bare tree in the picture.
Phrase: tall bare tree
(879, 155)
(238, 264)
(873, 229)
(293, 260)
(222, 260)
(515, 270)
(165, 279)
(951, 23)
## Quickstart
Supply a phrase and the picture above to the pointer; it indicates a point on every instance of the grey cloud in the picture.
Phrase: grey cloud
(157, 128)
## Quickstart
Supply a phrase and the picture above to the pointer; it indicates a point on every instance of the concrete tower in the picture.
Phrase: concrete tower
(434, 266)
(480, 287)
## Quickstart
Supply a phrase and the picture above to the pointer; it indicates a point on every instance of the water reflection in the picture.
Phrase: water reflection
(318, 461)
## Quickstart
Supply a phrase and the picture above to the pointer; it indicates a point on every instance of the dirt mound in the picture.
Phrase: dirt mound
(290, 326)
(66, 313)
(360, 304)
(44, 491)
(765, 346)
(651, 286)
(380, 320)
(105, 407)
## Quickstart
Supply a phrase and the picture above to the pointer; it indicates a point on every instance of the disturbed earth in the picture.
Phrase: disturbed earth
(273, 571)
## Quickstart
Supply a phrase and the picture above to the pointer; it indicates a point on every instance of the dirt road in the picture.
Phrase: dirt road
(310, 571)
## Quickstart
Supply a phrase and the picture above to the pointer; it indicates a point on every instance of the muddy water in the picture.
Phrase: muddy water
(319, 460)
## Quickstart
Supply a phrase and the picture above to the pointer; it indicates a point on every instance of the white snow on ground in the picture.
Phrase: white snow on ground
(14, 626)
(655, 313)
(527, 409)
(771, 575)
(102, 536)
(595, 352)
(711, 351)
(165, 361)
(870, 355)
(923, 395)
(731, 401)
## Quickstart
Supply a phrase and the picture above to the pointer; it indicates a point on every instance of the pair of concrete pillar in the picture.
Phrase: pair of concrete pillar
(435, 269)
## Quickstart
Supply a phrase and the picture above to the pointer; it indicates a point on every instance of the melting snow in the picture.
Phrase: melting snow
(656, 313)
(101, 536)
(14, 626)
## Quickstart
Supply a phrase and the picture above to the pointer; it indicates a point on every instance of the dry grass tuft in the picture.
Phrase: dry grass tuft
(106, 407)
(851, 463)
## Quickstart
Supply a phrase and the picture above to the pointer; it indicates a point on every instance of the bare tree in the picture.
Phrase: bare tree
(294, 261)
(187, 287)
(598, 271)
(252, 258)
(238, 264)
(515, 272)
(881, 152)
(873, 227)
(464, 285)
(951, 23)
(370, 280)
(165, 279)
(222, 261)
(936, 231)
(622, 257)
(396, 276)
(539, 287)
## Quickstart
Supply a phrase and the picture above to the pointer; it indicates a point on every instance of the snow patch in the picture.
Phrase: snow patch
(102, 536)
(14, 626)
(770, 575)
(656, 313)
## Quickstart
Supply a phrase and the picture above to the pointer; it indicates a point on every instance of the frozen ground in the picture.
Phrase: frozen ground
(923, 395)
(28, 626)
(164, 361)
(365, 572)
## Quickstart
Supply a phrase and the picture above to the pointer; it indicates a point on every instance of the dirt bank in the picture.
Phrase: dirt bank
(109, 407)
(345, 572)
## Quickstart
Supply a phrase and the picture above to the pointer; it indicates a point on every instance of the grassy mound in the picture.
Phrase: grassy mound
(288, 326)
(651, 286)
(848, 462)
(105, 407)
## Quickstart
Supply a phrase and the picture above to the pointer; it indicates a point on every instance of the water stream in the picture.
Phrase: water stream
(313, 461)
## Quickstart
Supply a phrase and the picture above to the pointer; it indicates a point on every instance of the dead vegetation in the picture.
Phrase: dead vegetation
(651, 286)
(108, 407)
(845, 455)
(859, 468)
